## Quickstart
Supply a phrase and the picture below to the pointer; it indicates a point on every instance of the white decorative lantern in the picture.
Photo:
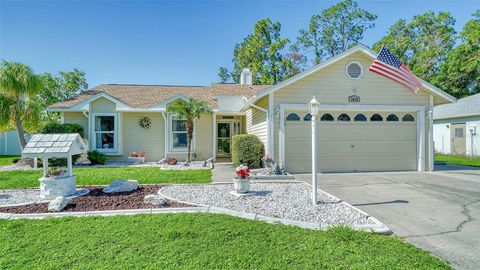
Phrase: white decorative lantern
(313, 107)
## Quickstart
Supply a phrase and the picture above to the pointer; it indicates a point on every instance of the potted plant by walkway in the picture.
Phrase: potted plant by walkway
(241, 181)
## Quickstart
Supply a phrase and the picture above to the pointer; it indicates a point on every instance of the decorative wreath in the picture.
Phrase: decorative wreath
(145, 122)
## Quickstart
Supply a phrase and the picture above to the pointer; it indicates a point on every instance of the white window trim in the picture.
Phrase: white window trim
(171, 149)
(116, 131)
(361, 70)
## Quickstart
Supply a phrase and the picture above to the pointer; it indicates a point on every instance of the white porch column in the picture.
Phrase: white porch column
(270, 128)
(431, 149)
(421, 140)
(165, 139)
(281, 137)
(214, 137)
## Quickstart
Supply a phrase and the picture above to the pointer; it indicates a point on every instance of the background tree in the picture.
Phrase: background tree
(224, 74)
(422, 43)
(459, 74)
(18, 85)
(189, 110)
(58, 88)
(334, 30)
(263, 52)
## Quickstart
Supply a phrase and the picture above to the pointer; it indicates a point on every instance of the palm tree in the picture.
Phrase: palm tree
(17, 84)
(190, 110)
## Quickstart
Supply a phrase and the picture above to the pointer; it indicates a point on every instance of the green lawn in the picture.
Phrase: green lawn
(7, 160)
(103, 176)
(197, 241)
(458, 160)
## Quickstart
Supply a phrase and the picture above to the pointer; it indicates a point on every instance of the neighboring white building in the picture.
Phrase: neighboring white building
(456, 128)
(9, 144)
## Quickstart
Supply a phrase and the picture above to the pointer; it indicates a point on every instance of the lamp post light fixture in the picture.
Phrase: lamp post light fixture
(313, 108)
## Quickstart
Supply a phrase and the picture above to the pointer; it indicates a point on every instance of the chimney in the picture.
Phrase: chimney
(246, 77)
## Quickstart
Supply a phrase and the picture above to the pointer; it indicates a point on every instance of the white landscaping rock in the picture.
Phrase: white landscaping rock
(156, 200)
(290, 201)
(121, 186)
(57, 204)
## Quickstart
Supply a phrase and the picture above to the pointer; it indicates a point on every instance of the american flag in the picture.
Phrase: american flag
(388, 65)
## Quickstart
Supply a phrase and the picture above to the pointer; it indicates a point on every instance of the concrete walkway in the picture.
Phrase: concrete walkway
(223, 172)
(437, 211)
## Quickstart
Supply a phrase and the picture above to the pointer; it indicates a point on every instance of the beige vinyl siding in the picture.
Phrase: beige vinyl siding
(256, 120)
(204, 137)
(331, 86)
(102, 105)
(76, 118)
(138, 139)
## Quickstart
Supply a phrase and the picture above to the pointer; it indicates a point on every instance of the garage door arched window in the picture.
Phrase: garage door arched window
(307, 117)
(360, 118)
(408, 118)
(392, 117)
(376, 118)
(343, 117)
(293, 117)
(326, 117)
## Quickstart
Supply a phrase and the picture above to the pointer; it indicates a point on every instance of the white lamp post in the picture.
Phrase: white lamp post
(313, 108)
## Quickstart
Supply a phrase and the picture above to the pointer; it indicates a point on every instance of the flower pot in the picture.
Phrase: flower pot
(241, 185)
(136, 160)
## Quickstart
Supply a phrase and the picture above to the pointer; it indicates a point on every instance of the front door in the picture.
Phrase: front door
(457, 135)
(225, 131)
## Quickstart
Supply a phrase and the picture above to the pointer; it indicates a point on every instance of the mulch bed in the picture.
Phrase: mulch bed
(97, 200)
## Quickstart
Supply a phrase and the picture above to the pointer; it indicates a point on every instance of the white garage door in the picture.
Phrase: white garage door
(352, 141)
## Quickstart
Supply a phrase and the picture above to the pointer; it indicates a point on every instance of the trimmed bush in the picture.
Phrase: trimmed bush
(96, 157)
(62, 128)
(247, 149)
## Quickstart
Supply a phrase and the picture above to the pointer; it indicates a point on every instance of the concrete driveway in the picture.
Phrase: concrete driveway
(437, 211)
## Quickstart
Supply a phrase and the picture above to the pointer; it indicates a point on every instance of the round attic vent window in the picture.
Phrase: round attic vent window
(354, 70)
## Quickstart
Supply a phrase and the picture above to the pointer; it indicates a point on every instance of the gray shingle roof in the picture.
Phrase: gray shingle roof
(468, 106)
(54, 145)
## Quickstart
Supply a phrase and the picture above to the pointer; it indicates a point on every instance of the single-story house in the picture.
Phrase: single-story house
(457, 126)
(366, 123)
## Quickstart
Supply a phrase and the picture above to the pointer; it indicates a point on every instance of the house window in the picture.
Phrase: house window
(307, 117)
(408, 118)
(392, 117)
(178, 134)
(105, 132)
(293, 117)
(326, 117)
(343, 117)
(360, 117)
(458, 132)
(376, 118)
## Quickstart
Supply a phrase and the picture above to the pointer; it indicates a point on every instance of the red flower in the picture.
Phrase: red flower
(142, 154)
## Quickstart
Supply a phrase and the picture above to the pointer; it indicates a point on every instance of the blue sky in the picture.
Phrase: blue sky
(159, 42)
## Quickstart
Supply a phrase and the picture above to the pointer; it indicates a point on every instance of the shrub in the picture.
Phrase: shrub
(96, 157)
(62, 128)
(247, 149)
